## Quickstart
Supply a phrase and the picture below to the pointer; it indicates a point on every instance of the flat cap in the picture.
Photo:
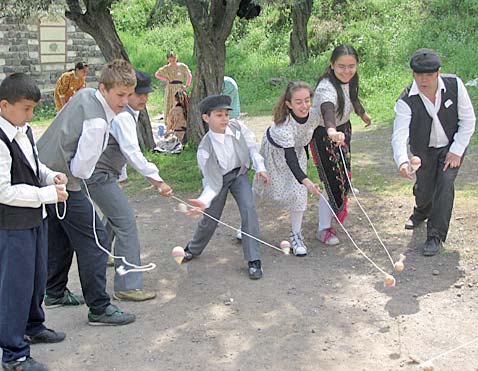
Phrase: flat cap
(214, 102)
(143, 82)
(425, 60)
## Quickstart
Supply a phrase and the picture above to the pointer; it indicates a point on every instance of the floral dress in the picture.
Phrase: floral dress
(284, 190)
(67, 85)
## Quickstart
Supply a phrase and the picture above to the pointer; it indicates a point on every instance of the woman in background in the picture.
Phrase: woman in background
(178, 116)
(69, 83)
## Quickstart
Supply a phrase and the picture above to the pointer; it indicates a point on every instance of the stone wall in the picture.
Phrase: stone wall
(22, 47)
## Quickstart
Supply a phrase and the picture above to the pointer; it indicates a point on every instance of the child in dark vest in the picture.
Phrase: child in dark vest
(224, 155)
(73, 143)
(26, 185)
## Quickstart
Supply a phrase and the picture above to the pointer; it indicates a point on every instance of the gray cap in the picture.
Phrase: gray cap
(214, 102)
(425, 60)
(143, 82)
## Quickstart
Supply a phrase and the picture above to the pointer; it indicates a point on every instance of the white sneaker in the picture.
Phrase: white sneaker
(328, 237)
(239, 235)
(297, 244)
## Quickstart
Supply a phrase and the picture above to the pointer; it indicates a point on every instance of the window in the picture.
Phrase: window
(52, 39)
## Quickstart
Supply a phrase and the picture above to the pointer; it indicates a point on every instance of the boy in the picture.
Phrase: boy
(107, 194)
(25, 186)
(223, 156)
(73, 143)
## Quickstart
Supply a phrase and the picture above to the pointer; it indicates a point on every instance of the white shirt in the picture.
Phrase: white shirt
(92, 142)
(123, 129)
(222, 144)
(23, 195)
(438, 138)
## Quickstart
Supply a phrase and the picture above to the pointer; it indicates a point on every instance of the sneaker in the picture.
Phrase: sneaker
(188, 256)
(239, 235)
(255, 269)
(46, 336)
(29, 364)
(432, 246)
(68, 300)
(134, 295)
(328, 237)
(112, 316)
(297, 244)
(412, 223)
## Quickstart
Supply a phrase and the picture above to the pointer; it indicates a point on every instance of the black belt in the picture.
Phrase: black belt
(176, 82)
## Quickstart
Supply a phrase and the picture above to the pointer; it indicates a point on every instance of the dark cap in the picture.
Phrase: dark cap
(425, 60)
(214, 102)
(143, 82)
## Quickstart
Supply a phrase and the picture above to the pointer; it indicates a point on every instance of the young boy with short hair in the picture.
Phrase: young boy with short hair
(26, 185)
(224, 155)
(73, 143)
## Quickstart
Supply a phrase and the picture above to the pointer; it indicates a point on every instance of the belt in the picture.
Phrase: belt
(176, 82)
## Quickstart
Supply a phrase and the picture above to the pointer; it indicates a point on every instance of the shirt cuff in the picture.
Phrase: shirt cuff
(48, 194)
(207, 196)
(456, 149)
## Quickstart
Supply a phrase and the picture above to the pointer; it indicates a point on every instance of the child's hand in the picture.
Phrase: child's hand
(263, 174)
(60, 178)
(164, 189)
(61, 193)
(198, 207)
(367, 119)
(312, 187)
(404, 171)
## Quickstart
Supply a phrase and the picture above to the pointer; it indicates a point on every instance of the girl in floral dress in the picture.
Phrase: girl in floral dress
(283, 149)
(336, 97)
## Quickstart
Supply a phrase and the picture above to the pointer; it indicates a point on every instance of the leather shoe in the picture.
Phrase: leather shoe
(412, 223)
(432, 246)
(134, 295)
(255, 270)
(188, 256)
(45, 336)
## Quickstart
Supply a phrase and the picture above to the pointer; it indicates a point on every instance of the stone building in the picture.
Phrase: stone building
(45, 48)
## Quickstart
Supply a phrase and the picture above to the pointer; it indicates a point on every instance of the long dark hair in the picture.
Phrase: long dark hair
(183, 102)
(329, 74)
(281, 111)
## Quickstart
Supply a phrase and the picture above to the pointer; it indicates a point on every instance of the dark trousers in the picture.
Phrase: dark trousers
(23, 260)
(434, 192)
(240, 188)
(75, 234)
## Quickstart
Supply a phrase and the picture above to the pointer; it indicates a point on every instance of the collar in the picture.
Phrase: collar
(110, 114)
(219, 137)
(11, 130)
(415, 91)
(135, 113)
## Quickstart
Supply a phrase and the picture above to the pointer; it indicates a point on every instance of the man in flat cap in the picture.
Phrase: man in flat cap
(123, 148)
(435, 116)
(223, 156)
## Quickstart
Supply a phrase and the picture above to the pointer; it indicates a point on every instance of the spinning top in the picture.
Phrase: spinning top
(415, 163)
(389, 280)
(285, 247)
(178, 254)
(183, 208)
(399, 266)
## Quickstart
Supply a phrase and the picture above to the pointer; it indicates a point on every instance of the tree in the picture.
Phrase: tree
(298, 47)
(212, 22)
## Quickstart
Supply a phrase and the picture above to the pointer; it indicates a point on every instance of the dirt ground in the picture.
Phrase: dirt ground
(328, 311)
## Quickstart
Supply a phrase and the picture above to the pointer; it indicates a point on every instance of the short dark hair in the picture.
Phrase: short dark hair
(18, 86)
(81, 66)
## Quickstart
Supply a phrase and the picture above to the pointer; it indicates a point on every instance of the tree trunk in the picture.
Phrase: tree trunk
(97, 22)
(212, 23)
(298, 47)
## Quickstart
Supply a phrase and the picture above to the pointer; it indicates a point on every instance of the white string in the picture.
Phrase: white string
(58, 213)
(350, 237)
(227, 225)
(121, 270)
(360, 205)
(451, 350)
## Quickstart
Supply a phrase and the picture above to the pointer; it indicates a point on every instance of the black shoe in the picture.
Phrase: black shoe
(412, 223)
(112, 316)
(255, 270)
(29, 364)
(46, 336)
(432, 246)
(188, 256)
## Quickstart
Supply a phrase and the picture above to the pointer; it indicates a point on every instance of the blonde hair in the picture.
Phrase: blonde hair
(281, 111)
(117, 72)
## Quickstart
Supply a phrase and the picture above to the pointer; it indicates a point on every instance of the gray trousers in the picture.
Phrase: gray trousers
(240, 188)
(114, 205)
(434, 192)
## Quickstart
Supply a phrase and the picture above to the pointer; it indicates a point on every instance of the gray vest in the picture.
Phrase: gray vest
(58, 145)
(112, 159)
(212, 171)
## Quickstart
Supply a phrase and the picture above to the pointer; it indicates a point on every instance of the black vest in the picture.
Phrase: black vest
(421, 122)
(12, 217)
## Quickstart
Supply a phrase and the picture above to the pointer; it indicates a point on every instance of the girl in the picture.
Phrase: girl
(69, 83)
(177, 118)
(283, 149)
(336, 96)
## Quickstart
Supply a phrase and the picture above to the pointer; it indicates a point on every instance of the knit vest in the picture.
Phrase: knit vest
(421, 122)
(212, 171)
(21, 172)
(58, 145)
(112, 159)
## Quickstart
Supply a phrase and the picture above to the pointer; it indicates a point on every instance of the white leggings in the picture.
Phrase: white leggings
(325, 215)
(296, 221)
